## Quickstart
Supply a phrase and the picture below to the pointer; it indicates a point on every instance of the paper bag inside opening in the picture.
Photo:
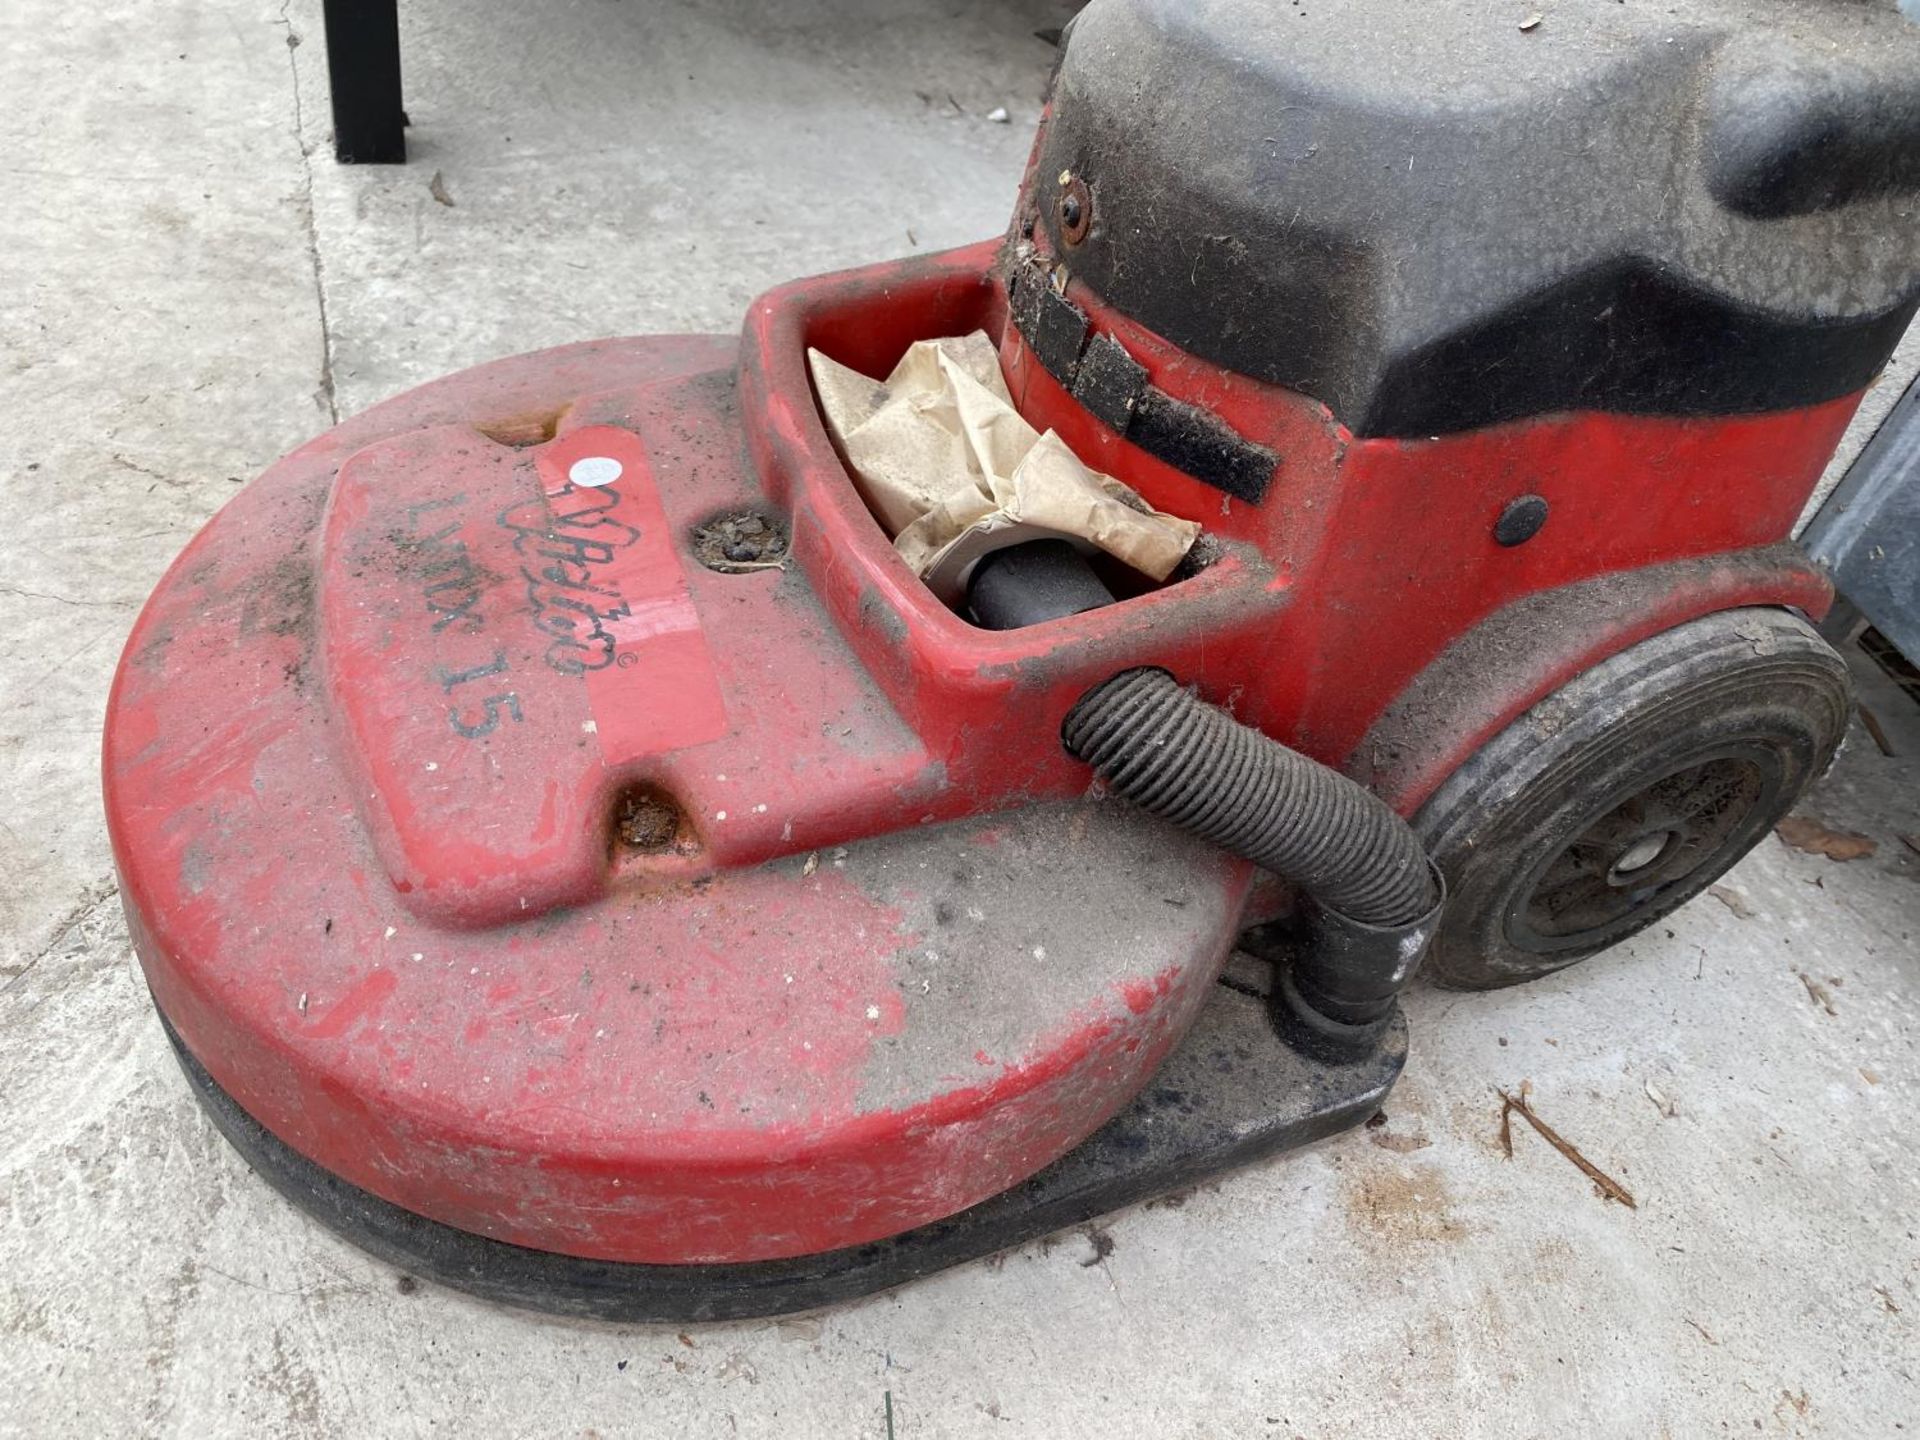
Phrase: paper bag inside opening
(953, 473)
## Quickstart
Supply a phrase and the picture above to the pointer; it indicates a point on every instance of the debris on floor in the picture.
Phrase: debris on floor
(1102, 1243)
(1733, 900)
(1510, 1103)
(1817, 992)
(1401, 1144)
(1803, 833)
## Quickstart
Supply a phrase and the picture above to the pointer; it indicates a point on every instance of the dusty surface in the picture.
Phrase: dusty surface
(648, 824)
(627, 167)
(734, 543)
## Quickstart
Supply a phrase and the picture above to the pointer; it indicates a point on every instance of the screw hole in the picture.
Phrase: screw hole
(647, 822)
(740, 543)
(1075, 211)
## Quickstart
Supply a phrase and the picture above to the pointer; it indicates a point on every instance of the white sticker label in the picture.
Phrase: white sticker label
(594, 471)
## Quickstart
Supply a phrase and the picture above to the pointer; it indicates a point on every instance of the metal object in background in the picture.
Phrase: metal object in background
(363, 73)
(1867, 535)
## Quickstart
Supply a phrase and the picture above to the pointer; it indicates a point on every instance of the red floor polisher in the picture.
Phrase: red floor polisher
(580, 854)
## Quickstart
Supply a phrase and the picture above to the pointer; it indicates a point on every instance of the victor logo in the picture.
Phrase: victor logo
(566, 541)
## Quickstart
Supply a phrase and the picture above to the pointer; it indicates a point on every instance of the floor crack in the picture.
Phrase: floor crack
(140, 469)
(91, 899)
(65, 599)
(326, 391)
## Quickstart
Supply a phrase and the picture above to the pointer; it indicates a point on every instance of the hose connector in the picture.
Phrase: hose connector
(1372, 898)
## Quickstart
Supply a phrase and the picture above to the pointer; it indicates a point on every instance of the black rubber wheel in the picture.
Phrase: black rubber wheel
(1627, 792)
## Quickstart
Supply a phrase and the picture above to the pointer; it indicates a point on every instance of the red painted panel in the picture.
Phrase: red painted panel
(368, 740)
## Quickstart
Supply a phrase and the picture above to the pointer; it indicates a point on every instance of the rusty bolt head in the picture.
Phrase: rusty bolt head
(1075, 211)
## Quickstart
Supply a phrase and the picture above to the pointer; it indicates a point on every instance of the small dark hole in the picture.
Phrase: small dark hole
(521, 431)
(1520, 521)
(740, 544)
(648, 822)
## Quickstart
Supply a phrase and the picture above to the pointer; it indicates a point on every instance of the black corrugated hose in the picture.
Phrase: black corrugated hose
(1171, 753)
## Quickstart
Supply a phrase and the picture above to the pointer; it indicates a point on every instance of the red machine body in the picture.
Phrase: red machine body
(373, 737)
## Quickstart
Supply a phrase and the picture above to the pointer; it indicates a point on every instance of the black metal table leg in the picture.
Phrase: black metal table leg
(363, 71)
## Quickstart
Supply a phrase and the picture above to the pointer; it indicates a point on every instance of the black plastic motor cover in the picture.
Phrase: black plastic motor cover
(1431, 218)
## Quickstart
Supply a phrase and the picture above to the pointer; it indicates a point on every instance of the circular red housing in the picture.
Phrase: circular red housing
(510, 864)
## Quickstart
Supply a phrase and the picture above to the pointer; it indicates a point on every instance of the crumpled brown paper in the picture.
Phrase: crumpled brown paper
(953, 473)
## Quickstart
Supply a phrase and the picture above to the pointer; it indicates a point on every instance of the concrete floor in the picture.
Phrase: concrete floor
(194, 287)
